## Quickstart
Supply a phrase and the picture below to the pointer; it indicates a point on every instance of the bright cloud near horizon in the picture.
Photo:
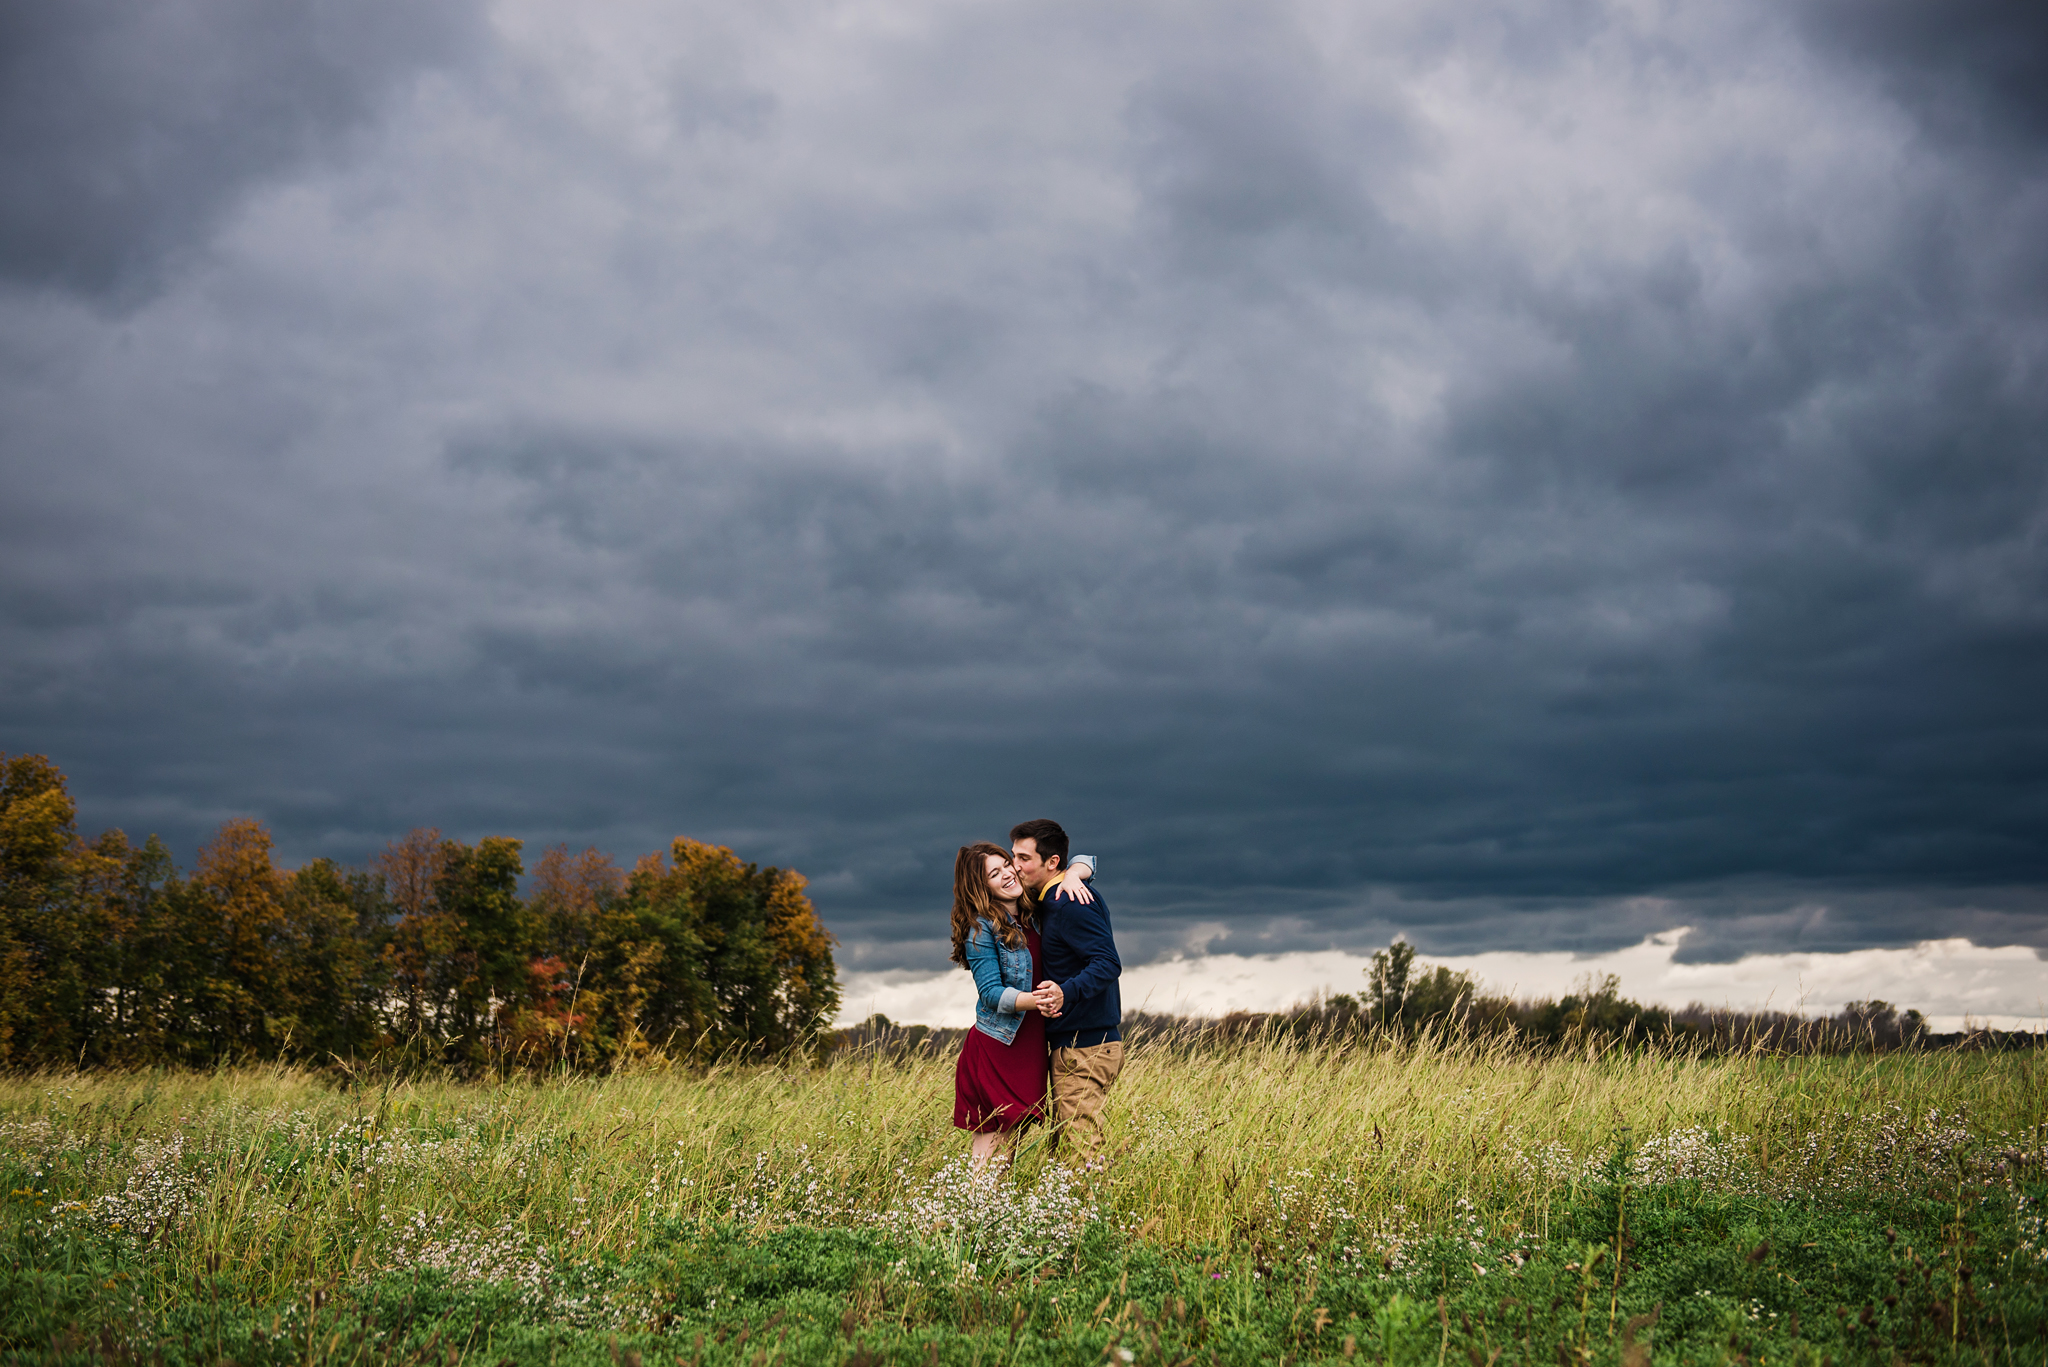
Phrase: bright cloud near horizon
(1955, 984)
(1525, 477)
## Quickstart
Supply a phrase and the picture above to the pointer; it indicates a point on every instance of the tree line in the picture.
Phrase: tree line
(1406, 999)
(109, 955)
(1404, 995)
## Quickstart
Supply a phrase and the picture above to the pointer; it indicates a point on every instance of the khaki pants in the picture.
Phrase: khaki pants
(1081, 1079)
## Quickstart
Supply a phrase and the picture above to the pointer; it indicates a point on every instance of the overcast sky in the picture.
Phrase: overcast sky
(1527, 476)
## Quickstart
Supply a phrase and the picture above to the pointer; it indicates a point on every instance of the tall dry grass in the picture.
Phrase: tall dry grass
(290, 1178)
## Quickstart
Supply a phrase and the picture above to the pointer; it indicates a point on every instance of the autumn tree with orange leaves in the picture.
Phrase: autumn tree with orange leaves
(108, 956)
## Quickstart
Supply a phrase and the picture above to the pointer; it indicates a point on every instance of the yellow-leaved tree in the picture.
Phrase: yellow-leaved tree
(739, 957)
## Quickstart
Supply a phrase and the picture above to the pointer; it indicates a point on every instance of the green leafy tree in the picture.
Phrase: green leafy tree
(485, 970)
(734, 954)
(1387, 982)
(144, 1022)
(1438, 996)
(1406, 996)
(69, 918)
(246, 960)
(89, 992)
(668, 971)
(338, 922)
(238, 935)
(41, 935)
(1598, 1008)
(1879, 1024)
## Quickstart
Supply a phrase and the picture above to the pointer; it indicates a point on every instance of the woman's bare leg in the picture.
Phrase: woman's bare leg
(987, 1146)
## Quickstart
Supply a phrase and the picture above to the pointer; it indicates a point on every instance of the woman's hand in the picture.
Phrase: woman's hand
(1074, 883)
(1026, 1001)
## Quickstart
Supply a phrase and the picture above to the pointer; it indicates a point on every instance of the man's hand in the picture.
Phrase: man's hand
(1052, 999)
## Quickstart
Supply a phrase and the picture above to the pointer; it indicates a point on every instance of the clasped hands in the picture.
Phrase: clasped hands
(1048, 999)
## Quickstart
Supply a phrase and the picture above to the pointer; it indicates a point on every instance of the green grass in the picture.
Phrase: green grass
(1417, 1204)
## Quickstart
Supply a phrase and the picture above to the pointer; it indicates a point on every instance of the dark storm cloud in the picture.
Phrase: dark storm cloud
(128, 130)
(1970, 69)
(1519, 484)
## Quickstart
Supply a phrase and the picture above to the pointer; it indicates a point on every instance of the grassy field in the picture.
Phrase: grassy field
(1412, 1204)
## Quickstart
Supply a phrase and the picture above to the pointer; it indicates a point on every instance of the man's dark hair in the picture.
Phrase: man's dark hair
(1046, 837)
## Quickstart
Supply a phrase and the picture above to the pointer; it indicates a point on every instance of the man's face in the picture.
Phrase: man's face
(1035, 872)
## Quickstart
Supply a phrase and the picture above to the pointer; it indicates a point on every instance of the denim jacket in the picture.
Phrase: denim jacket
(1001, 974)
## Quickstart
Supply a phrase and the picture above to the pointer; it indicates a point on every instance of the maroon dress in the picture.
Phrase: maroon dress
(999, 1086)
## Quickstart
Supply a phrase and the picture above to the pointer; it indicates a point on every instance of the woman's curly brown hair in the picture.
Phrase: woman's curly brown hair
(973, 902)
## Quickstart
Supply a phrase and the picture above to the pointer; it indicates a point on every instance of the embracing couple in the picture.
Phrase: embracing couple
(1038, 942)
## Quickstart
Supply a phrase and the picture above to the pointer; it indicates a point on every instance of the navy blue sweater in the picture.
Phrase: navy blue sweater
(1079, 951)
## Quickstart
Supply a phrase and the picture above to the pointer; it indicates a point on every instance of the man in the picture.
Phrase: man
(1084, 1013)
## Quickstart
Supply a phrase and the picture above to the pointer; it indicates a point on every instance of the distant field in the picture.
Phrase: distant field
(1411, 1204)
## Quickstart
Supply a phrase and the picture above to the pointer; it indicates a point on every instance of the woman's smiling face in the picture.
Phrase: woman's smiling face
(1003, 883)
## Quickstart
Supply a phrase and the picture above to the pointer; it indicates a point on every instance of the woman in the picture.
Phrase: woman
(1000, 1080)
